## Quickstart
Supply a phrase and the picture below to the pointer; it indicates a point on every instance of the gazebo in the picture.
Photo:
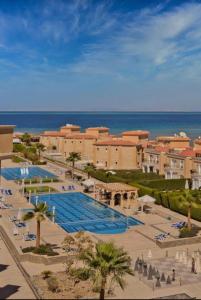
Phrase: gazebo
(117, 194)
(146, 199)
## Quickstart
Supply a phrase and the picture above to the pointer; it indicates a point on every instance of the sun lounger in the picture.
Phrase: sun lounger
(20, 224)
(178, 225)
(29, 237)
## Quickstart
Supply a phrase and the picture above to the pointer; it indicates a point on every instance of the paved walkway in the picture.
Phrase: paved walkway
(13, 277)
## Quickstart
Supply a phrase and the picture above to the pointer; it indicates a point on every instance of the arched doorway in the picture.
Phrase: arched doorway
(117, 199)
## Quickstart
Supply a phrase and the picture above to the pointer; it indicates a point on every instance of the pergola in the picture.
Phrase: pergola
(117, 193)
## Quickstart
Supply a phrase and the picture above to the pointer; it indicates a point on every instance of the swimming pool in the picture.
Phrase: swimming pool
(25, 173)
(79, 212)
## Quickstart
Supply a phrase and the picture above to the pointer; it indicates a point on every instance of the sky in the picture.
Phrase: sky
(96, 55)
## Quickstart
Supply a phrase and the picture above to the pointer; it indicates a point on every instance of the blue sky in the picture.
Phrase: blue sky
(100, 55)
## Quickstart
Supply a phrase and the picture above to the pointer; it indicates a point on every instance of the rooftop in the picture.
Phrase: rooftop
(135, 133)
(117, 142)
(116, 187)
(80, 136)
(53, 134)
(99, 128)
(172, 138)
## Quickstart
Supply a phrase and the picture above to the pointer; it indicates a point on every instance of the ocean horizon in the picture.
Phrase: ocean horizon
(158, 123)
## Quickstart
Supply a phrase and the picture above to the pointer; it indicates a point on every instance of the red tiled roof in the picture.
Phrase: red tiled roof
(53, 134)
(161, 149)
(197, 141)
(188, 152)
(98, 128)
(135, 133)
(115, 143)
(172, 138)
(80, 136)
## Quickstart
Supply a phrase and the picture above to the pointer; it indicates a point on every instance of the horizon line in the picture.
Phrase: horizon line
(98, 111)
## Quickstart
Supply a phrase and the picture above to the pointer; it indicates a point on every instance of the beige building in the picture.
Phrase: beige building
(117, 154)
(136, 136)
(154, 160)
(176, 142)
(6, 138)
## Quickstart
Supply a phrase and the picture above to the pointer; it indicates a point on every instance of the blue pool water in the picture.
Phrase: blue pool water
(15, 173)
(79, 212)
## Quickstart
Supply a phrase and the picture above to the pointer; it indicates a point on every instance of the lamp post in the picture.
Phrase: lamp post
(53, 214)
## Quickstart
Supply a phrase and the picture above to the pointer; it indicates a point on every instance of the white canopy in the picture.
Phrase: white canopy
(146, 199)
(88, 183)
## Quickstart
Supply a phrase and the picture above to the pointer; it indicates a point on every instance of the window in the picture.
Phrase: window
(115, 162)
(116, 149)
(97, 149)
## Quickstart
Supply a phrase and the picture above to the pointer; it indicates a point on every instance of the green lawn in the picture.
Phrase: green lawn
(39, 189)
(147, 181)
(37, 180)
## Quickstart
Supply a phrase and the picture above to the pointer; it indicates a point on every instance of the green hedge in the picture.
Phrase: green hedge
(164, 184)
(39, 189)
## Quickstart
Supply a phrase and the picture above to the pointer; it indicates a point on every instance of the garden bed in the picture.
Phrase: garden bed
(39, 189)
(66, 287)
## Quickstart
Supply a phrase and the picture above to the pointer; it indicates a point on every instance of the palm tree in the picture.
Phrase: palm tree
(40, 147)
(39, 212)
(188, 198)
(89, 168)
(106, 262)
(26, 138)
(73, 157)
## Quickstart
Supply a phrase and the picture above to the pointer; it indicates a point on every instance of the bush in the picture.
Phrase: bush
(53, 284)
(46, 274)
(80, 273)
(28, 249)
(42, 250)
(45, 250)
(17, 159)
(164, 184)
(185, 232)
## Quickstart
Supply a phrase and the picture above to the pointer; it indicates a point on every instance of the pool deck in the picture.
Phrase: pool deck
(137, 241)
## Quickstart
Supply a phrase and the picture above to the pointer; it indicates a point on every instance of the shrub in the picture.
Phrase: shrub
(45, 250)
(185, 232)
(42, 250)
(164, 184)
(46, 274)
(17, 159)
(80, 273)
(53, 284)
(28, 249)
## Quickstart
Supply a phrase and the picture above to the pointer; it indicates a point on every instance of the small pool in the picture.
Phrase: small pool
(25, 173)
(79, 212)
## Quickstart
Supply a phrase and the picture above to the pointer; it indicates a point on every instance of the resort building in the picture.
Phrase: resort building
(136, 136)
(117, 154)
(176, 142)
(6, 143)
(154, 160)
(6, 139)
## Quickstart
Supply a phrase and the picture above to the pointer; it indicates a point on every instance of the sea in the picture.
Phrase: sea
(158, 123)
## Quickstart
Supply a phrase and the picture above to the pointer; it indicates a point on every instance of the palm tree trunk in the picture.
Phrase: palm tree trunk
(73, 166)
(189, 217)
(38, 235)
(102, 290)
